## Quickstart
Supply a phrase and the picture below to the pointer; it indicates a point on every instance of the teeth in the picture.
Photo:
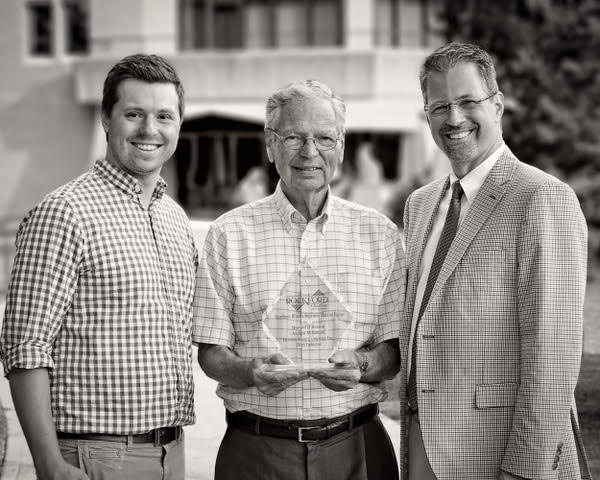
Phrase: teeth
(146, 146)
(308, 169)
(458, 136)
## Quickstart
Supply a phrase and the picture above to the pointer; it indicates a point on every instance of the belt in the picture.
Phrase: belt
(301, 430)
(158, 436)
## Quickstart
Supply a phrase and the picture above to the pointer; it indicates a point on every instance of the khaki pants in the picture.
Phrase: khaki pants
(117, 461)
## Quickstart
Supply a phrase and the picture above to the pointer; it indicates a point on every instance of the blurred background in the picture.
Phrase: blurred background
(232, 54)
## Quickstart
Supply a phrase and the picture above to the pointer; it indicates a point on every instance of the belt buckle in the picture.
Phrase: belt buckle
(301, 434)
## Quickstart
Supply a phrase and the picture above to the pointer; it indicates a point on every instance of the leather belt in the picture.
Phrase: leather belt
(158, 436)
(301, 430)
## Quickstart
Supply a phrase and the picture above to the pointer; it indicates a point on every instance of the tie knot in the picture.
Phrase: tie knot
(457, 191)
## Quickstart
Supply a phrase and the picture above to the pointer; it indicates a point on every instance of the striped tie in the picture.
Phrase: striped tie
(448, 233)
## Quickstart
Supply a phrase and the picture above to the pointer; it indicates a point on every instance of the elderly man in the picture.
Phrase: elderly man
(496, 255)
(298, 247)
(96, 339)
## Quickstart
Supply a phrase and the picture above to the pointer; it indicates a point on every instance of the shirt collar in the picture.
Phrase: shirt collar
(472, 181)
(125, 182)
(290, 216)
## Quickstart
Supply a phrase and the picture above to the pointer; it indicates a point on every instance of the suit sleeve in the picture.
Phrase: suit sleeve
(552, 256)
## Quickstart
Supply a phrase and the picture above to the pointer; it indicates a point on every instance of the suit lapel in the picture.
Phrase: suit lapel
(485, 202)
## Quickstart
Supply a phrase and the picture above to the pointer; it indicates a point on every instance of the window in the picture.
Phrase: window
(259, 24)
(229, 24)
(40, 29)
(406, 22)
(412, 27)
(76, 26)
(57, 28)
(291, 24)
(326, 23)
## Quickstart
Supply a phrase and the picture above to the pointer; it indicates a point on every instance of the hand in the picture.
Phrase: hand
(273, 382)
(345, 377)
(64, 471)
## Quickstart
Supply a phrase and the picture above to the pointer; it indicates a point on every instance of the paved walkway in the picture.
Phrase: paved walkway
(202, 439)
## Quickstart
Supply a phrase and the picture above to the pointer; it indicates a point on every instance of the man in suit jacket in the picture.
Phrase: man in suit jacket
(494, 305)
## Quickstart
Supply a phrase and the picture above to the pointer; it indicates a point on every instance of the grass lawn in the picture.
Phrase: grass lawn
(587, 393)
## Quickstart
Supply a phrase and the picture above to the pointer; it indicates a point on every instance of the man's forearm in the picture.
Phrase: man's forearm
(30, 391)
(221, 364)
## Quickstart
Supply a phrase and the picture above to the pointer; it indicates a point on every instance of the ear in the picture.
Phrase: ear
(105, 122)
(499, 106)
(270, 154)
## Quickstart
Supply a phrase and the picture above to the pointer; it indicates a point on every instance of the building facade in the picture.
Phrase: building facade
(231, 55)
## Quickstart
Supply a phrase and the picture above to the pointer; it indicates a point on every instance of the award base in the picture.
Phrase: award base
(308, 367)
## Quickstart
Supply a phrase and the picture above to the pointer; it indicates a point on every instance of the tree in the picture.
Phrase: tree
(548, 67)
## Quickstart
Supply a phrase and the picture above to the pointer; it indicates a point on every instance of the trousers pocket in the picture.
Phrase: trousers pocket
(102, 459)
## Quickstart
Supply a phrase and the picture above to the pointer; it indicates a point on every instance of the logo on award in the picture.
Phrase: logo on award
(317, 299)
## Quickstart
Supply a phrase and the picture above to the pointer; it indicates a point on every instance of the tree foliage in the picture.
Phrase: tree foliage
(548, 66)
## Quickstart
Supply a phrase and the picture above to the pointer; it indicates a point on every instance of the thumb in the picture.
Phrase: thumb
(279, 359)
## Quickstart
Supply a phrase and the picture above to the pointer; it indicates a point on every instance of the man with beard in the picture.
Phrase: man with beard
(492, 331)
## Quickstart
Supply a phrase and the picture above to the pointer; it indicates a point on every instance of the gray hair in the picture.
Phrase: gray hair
(448, 56)
(299, 90)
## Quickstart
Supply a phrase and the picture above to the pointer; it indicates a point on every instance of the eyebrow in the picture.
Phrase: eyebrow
(467, 96)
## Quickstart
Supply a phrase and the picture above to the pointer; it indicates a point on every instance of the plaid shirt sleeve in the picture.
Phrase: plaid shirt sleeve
(552, 256)
(214, 296)
(391, 301)
(49, 249)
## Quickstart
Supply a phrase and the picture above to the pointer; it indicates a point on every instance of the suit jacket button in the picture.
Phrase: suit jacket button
(556, 458)
(554, 466)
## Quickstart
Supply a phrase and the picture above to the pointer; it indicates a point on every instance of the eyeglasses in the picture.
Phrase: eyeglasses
(295, 141)
(464, 105)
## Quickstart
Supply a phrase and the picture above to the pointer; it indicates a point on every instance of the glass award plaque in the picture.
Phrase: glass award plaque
(307, 323)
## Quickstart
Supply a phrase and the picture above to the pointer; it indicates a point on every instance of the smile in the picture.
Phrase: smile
(458, 135)
(146, 147)
(307, 169)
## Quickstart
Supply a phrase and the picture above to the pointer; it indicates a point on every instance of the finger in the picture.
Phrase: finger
(279, 359)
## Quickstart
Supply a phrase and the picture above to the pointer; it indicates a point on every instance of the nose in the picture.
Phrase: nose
(309, 149)
(455, 116)
(148, 126)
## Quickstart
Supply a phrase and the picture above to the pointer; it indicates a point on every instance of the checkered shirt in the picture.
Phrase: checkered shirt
(101, 294)
(251, 252)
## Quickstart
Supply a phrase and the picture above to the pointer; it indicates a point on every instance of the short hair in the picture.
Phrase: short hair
(147, 68)
(448, 56)
(304, 89)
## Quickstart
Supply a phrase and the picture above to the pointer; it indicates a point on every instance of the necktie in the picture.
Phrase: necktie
(448, 233)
